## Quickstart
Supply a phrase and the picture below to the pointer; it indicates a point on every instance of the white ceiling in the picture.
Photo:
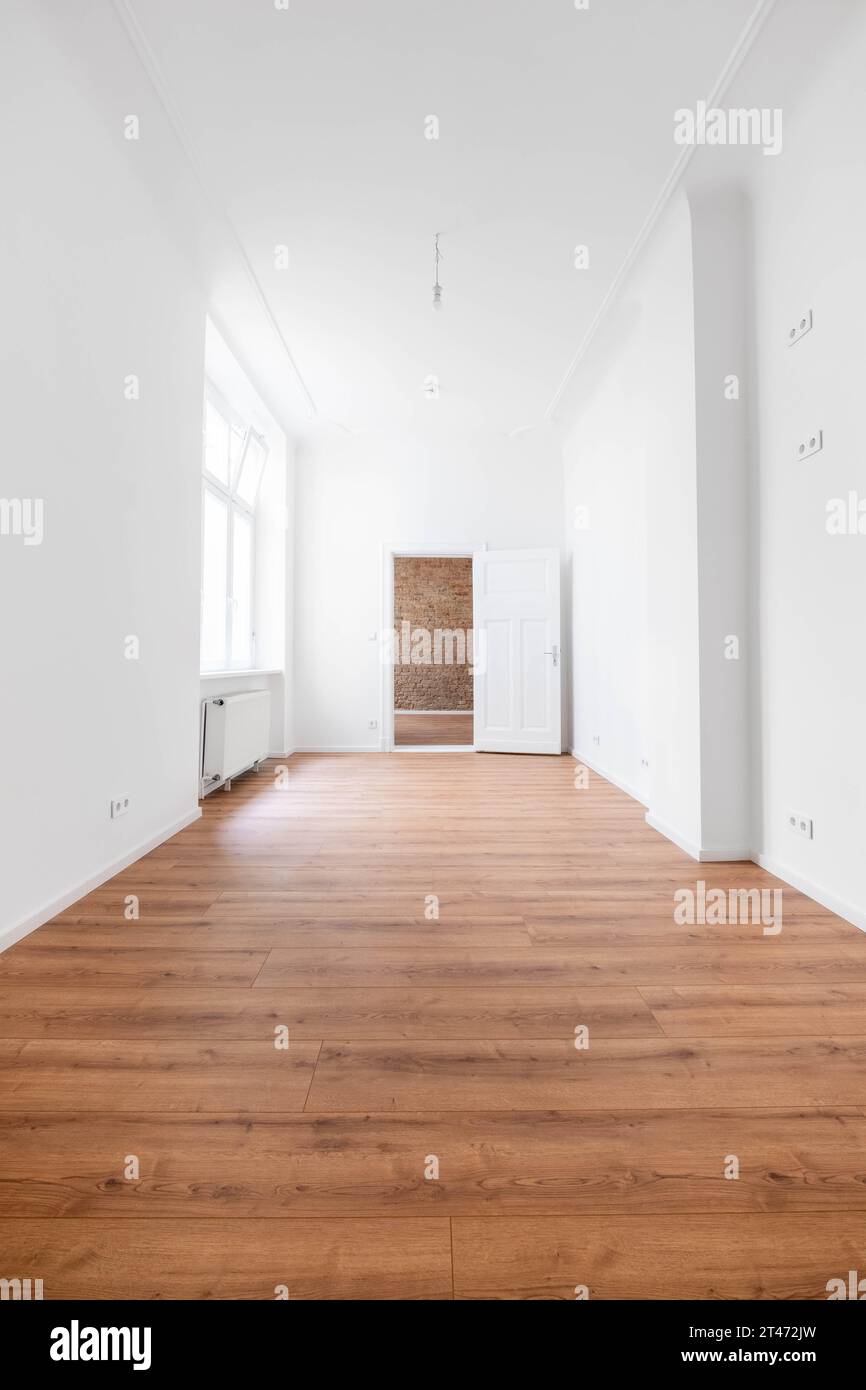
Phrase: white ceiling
(556, 128)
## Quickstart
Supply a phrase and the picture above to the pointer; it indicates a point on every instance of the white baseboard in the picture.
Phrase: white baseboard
(18, 930)
(708, 855)
(595, 766)
(855, 915)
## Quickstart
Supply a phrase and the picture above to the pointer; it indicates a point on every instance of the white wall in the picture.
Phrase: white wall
(732, 527)
(810, 235)
(629, 457)
(672, 534)
(93, 289)
(111, 255)
(605, 483)
(433, 485)
(724, 406)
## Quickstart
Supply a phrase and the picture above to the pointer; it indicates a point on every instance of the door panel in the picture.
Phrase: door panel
(518, 663)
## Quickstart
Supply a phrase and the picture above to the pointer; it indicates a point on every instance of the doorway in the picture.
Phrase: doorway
(432, 684)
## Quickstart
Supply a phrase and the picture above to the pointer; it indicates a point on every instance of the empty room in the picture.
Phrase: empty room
(433, 543)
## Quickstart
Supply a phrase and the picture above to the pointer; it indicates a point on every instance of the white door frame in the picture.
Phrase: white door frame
(386, 649)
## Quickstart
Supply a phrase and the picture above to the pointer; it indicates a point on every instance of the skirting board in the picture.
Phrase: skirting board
(608, 777)
(852, 914)
(19, 930)
(701, 856)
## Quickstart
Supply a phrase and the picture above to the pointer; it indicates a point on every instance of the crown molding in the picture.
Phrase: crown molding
(738, 54)
(149, 62)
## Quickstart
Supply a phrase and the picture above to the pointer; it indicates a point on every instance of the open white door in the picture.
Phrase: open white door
(517, 651)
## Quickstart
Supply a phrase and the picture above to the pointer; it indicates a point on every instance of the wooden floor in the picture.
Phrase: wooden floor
(433, 729)
(155, 1142)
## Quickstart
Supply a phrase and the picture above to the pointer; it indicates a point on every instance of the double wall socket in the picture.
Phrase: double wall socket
(119, 806)
(801, 825)
(812, 444)
(799, 329)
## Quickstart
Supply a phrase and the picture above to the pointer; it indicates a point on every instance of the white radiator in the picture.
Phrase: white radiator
(235, 735)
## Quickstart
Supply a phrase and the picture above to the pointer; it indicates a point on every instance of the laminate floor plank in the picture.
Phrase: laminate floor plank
(621, 1073)
(29, 963)
(332, 1259)
(172, 1076)
(758, 1011)
(699, 963)
(208, 1013)
(782, 1256)
(258, 935)
(290, 1166)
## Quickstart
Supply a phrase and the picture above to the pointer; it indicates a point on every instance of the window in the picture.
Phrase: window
(232, 467)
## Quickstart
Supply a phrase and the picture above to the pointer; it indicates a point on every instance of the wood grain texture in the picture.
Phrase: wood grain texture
(435, 730)
(698, 963)
(491, 1163)
(31, 963)
(757, 1011)
(348, 1259)
(169, 1076)
(431, 929)
(743, 1257)
(339, 933)
(49, 1011)
(555, 1075)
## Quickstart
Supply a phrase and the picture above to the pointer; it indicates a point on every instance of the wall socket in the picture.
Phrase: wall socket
(596, 738)
(801, 825)
(119, 806)
(813, 444)
(373, 724)
(799, 329)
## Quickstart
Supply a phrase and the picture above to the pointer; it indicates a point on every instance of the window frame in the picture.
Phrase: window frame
(234, 503)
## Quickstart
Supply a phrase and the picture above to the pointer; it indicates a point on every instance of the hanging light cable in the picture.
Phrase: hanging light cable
(437, 288)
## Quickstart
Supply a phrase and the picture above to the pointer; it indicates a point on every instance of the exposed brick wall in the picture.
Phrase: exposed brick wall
(433, 592)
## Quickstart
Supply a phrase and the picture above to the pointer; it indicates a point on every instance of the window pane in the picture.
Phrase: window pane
(236, 448)
(213, 581)
(216, 444)
(242, 590)
(251, 470)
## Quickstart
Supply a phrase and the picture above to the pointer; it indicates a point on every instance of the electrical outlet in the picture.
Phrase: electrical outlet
(813, 444)
(800, 328)
(644, 762)
(596, 738)
(374, 724)
(119, 806)
(801, 825)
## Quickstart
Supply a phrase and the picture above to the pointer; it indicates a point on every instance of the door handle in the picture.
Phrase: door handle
(554, 654)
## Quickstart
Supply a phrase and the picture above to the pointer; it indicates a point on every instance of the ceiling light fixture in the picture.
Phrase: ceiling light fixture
(437, 288)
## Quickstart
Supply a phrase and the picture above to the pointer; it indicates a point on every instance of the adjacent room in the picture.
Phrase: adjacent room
(433, 659)
(433, 537)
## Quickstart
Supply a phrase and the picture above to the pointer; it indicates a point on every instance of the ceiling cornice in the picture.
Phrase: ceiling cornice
(147, 57)
(737, 56)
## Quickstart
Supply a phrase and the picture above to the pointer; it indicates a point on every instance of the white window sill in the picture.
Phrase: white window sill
(250, 671)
